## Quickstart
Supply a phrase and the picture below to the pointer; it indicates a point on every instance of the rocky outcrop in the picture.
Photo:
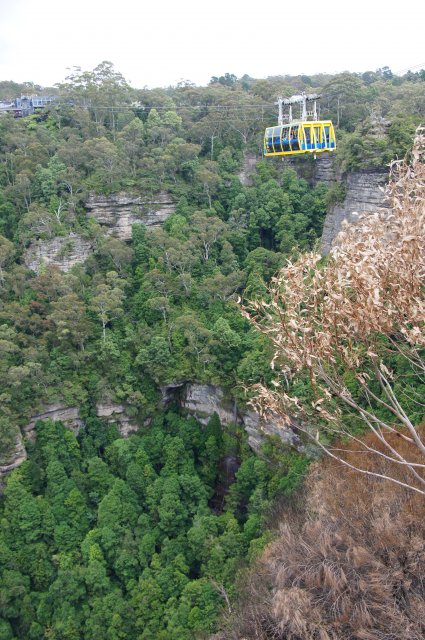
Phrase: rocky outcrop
(203, 400)
(70, 416)
(63, 252)
(258, 427)
(199, 400)
(119, 211)
(365, 193)
(321, 169)
(324, 169)
(249, 167)
(116, 413)
(16, 458)
(170, 392)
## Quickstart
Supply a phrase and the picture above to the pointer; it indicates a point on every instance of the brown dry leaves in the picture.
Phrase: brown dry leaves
(349, 563)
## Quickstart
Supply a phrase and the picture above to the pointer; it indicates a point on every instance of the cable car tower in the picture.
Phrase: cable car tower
(302, 135)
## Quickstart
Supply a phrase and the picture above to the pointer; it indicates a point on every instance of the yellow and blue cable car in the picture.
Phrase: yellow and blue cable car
(300, 136)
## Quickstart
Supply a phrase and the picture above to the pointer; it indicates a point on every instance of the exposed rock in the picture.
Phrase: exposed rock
(200, 400)
(17, 457)
(169, 392)
(203, 400)
(70, 416)
(324, 169)
(64, 252)
(365, 193)
(120, 211)
(379, 126)
(249, 166)
(108, 410)
(116, 413)
(257, 427)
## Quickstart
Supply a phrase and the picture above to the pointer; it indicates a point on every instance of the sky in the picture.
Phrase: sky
(157, 43)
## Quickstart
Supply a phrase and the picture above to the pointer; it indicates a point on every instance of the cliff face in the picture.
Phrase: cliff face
(199, 400)
(64, 252)
(70, 416)
(203, 400)
(116, 413)
(365, 193)
(16, 458)
(324, 169)
(249, 167)
(118, 212)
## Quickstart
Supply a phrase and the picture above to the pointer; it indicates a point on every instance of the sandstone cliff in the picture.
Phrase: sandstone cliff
(70, 416)
(365, 193)
(116, 413)
(63, 252)
(119, 211)
(16, 458)
(249, 167)
(324, 169)
(116, 212)
(199, 400)
(203, 400)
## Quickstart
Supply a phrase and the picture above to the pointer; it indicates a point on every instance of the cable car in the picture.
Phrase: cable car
(302, 137)
(299, 136)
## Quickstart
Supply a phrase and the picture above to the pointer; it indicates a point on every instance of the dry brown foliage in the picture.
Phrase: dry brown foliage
(345, 322)
(354, 570)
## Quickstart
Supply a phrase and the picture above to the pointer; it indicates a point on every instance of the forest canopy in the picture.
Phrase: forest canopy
(143, 536)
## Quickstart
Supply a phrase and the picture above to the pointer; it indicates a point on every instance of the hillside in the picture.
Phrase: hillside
(131, 222)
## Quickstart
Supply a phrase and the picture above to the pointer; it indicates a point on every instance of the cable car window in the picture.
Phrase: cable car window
(285, 139)
(294, 139)
(276, 139)
(327, 136)
(269, 140)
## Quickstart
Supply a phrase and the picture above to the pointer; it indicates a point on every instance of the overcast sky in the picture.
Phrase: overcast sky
(159, 42)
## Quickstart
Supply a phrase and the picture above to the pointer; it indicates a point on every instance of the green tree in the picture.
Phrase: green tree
(72, 327)
(207, 232)
(7, 252)
(104, 86)
(155, 358)
(107, 300)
